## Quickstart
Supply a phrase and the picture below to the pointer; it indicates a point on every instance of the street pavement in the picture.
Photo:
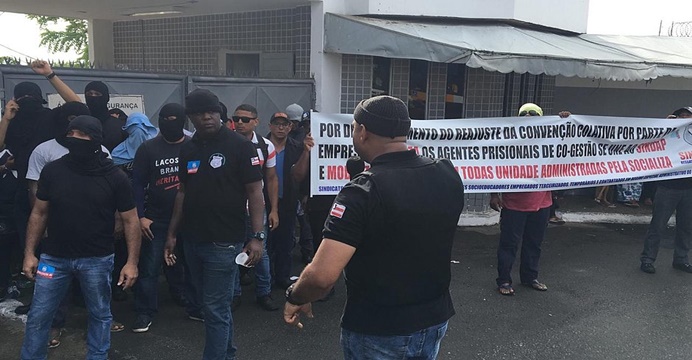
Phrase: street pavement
(598, 306)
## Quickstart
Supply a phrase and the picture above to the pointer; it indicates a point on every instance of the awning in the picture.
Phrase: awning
(505, 48)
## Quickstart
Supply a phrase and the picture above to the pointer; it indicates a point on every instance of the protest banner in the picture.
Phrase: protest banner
(517, 154)
(127, 103)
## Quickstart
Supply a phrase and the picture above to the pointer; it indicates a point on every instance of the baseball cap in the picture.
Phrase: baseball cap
(294, 112)
(278, 115)
(682, 110)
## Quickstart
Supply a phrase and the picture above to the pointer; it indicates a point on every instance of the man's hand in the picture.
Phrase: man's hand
(308, 142)
(292, 313)
(30, 265)
(273, 219)
(145, 224)
(169, 251)
(11, 109)
(496, 202)
(41, 67)
(254, 250)
(128, 276)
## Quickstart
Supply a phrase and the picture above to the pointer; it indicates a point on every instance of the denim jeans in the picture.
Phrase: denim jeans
(94, 274)
(213, 266)
(150, 261)
(527, 227)
(263, 278)
(420, 345)
(666, 202)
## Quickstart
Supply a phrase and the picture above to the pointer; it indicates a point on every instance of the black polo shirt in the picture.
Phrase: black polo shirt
(401, 216)
(214, 172)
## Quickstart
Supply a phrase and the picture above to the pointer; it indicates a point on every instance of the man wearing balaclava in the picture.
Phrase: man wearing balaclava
(97, 97)
(155, 178)
(81, 239)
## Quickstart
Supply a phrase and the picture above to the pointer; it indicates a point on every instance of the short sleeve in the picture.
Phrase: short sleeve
(37, 161)
(346, 219)
(182, 164)
(271, 157)
(124, 198)
(250, 168)
(43, 190)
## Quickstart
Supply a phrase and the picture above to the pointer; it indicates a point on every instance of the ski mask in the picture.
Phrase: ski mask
(62, 118)
(83, 151)
(28, 96)
(97, 104)
(172, 130)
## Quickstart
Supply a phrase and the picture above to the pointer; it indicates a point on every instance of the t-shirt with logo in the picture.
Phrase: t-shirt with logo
(214, 172)
(155, 174)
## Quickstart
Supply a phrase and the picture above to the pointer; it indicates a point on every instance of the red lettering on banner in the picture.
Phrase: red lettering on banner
(656, 163)
(685, 155)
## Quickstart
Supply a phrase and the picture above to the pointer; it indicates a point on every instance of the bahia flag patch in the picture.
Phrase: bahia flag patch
(255, 161)
(338, 210)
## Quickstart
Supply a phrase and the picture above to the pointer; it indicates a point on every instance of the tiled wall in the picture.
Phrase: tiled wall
(399, 79)
(484, 93)
(356, 81)
(191, 44)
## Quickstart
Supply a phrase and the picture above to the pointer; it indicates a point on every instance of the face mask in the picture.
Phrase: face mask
(29, 103)
(171, 130)
(82, 150)
(96, 102)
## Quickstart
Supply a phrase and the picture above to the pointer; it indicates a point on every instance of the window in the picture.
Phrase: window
(256, 64)
(454, 96)
(243, 65)
(381, 70)
(418, 87)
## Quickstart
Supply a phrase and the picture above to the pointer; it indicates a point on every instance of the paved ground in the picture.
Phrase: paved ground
(599, 306)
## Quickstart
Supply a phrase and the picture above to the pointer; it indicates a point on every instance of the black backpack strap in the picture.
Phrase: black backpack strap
(262, 145)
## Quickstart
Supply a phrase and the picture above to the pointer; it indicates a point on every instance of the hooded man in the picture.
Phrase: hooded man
(81, 241)
(97, 96)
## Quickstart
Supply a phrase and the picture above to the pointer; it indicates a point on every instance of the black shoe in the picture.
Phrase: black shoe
(22, 309)
(649, 268)
(266, 303)
(142, 324)
(196, 316)
(686, 267)
(329, 295)
(245, 279)
(235, 303)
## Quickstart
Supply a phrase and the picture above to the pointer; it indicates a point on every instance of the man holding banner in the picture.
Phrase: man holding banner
(396, 220)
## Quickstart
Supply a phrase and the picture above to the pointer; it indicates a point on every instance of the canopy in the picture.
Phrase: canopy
(506, 48)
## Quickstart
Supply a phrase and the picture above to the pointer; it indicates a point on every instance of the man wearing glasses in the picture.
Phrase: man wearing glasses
(289, 154)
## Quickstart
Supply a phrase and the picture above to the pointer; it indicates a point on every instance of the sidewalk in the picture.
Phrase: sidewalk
(577, 209)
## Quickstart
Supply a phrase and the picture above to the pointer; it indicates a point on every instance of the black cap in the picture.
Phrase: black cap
(88, 125)
(28, 88)
(383, 115)
(682, 110)
(201, 101)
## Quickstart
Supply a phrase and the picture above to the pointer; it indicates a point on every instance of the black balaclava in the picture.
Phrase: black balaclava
(28, 96)
(119, 114)
(85, 156)
(98, 104)
(172, 130)
(62, 121)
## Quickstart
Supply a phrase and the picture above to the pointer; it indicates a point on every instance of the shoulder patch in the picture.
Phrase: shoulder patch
(338, 210)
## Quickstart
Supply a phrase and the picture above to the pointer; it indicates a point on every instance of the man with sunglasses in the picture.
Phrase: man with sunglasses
(246, 121)
(292, 163)
(523, 218)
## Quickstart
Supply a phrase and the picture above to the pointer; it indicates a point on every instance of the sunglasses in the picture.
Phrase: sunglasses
(530, 112)
(244, 119)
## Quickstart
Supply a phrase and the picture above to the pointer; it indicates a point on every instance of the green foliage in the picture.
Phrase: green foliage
(73, 37)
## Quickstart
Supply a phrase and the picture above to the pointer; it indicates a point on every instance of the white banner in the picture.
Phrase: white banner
(127, 103)
(514, 154)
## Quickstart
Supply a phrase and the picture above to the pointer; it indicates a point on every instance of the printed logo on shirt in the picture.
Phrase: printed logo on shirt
(45, 271)
(217, 160)
(255, 161)
(338, 210)
(192, 167)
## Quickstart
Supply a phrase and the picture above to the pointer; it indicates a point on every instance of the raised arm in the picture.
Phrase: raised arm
(42, 67)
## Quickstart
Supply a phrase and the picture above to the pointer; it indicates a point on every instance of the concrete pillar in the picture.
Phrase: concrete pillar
(326, 68)
(101, 43)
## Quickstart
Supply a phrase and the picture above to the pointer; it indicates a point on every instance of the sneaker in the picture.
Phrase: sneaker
(686, 267)
(235, 303)
(649, 268)
(266, 303)
(141, 324)
(196, 316)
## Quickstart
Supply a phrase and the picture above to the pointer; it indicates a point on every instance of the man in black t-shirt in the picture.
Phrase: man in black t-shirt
(391, 229)
(155, 177)
(77, 198)
(220, 177)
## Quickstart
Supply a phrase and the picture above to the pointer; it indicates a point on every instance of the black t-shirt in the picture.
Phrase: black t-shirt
(113, 133)
(677, 184)
(156, 169)
(215, 172)
(401, 217)
(81, 217)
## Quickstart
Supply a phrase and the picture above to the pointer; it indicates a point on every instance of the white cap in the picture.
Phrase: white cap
(294, 112)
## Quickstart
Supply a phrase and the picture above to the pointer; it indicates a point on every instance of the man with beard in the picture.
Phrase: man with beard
(155, 178)
(97, 95)
(76, 198)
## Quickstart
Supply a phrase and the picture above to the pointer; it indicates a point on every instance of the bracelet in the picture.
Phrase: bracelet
(51, 75)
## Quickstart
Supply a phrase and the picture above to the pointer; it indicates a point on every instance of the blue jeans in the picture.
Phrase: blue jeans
(94, 275)
(150, 261)
(527, 227)
(213, 266)
(263, 278)
(420, 345)
(666, 202)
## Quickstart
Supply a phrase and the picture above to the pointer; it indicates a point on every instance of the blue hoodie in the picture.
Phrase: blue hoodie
(139, 130)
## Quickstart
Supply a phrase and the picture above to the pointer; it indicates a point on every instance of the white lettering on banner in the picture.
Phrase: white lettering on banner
(127, 103)
(524, 153)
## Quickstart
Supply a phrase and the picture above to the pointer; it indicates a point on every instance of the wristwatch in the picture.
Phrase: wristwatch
(260, 235)
(289, 291)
